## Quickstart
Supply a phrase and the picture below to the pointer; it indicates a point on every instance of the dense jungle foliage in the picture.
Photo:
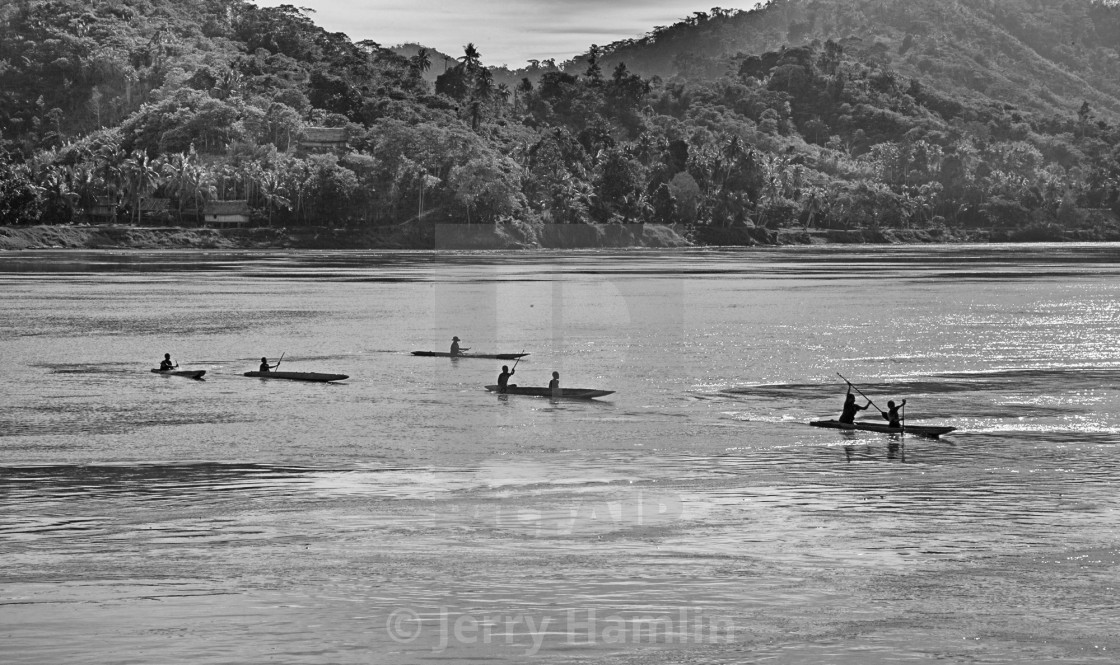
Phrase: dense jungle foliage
(820, 113)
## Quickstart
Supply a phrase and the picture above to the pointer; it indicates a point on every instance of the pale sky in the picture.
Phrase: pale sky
(505, 32)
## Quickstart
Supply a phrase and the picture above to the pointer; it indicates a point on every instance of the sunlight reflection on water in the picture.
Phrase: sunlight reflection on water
(219, 520)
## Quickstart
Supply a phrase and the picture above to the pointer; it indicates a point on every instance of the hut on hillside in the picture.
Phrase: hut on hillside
(103, 210)
(154, 210)
(226, 214)
(323, 139)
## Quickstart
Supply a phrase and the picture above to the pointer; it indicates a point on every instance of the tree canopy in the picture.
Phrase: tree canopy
(889, 113)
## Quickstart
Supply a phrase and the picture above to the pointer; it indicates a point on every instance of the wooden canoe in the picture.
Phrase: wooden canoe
(932, 431)
(299, 376)
(570, 393)
(490, 356)
(188, 373)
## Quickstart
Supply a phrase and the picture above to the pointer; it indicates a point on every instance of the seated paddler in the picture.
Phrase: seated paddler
(891, 414)
(503, 378)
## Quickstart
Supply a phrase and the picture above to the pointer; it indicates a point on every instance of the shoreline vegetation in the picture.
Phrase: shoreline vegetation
(156, 122)
(514, 237)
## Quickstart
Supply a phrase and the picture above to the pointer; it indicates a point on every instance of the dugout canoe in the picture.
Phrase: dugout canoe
(570, 393)
(299, 376)
(932, 431)
(188, 373)
(490, 356)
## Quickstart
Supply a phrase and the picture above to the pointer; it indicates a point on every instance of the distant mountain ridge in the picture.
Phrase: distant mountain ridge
(1032, 54)
(440, 61)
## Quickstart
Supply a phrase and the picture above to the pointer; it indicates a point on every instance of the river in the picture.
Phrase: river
(406, 515)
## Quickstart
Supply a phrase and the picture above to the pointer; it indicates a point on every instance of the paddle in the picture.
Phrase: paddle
(859, 391)
(280, 361)
(515, 361)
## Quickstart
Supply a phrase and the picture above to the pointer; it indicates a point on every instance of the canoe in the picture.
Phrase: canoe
(491, 356)
(572, 393)
(933, 431)
(189, 373)
(299, 376)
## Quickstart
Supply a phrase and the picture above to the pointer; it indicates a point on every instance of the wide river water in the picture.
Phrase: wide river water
(406, 515)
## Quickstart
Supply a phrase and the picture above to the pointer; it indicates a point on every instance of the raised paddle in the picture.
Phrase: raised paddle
(860, 392)
(515, 361)
(282, 360)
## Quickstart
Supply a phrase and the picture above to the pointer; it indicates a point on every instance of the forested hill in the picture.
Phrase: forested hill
(1044, 55)
(951, 116)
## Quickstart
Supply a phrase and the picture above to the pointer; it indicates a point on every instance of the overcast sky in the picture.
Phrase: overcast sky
(505, 32)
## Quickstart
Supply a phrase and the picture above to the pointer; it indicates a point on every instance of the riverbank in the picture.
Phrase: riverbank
(440, 236)
(131, 237)
(516, 236)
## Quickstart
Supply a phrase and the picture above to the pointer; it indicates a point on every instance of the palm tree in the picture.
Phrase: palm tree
(250, 175)
(482, 93)
(203, 186)
(422, 61)
(475, 109)
(471, 58)
(523, 90)
(729, 158)
(229, 84)
(143, 178)
(176, 171)
(232, 176)
(55, 190)
(108, 164)
(271, 191)
(84, 182)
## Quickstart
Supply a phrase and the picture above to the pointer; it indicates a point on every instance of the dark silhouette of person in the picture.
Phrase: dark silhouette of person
(166, 365)
(891, 414)
(848, 415)
(503, 378)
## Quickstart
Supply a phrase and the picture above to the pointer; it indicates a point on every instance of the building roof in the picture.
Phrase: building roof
(240, 207)
(324, 135)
